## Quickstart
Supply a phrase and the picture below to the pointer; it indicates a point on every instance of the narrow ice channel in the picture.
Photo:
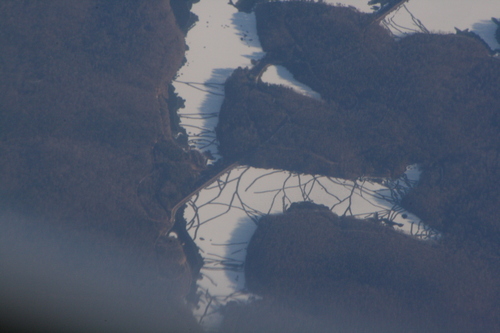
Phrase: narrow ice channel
(221, 218)
(441, 16)
(221, 41)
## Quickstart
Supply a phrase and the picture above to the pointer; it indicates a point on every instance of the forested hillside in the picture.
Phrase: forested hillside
(427, 99)
(497, 32)
(83, 101)
(361, 276)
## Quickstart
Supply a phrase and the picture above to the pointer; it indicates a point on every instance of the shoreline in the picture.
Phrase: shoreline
(187, 199)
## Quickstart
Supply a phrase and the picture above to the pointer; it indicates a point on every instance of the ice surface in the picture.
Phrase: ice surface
(222, 40)
(282, 76)
(222, 219)
(440, 16)
(222, 216)
(225, 39)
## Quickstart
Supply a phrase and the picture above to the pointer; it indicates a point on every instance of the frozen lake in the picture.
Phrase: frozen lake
(221, 218)
(221, 41)
(440, 16)
(224, 39)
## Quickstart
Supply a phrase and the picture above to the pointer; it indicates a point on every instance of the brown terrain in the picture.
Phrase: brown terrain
(386, 103)
(90, 173)
(88, 167)
(340, 274)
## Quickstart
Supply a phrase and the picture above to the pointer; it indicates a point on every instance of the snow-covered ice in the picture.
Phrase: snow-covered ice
(224, 39)
(222, 219)
(221, 41)
(282, 76)
(441, 16)
(222, 216)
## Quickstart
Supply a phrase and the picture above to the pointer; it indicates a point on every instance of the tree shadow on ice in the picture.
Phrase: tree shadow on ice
(246, 30)
(246, 27)
(391, 212)
(237, 250)
(210, 107)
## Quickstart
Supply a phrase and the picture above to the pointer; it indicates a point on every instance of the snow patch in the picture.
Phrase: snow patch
(282, 76)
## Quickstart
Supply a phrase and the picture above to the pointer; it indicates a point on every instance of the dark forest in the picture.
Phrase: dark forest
(361, 276)
(427, 99)
(386, 103)
(89, 168)
(90, 171)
